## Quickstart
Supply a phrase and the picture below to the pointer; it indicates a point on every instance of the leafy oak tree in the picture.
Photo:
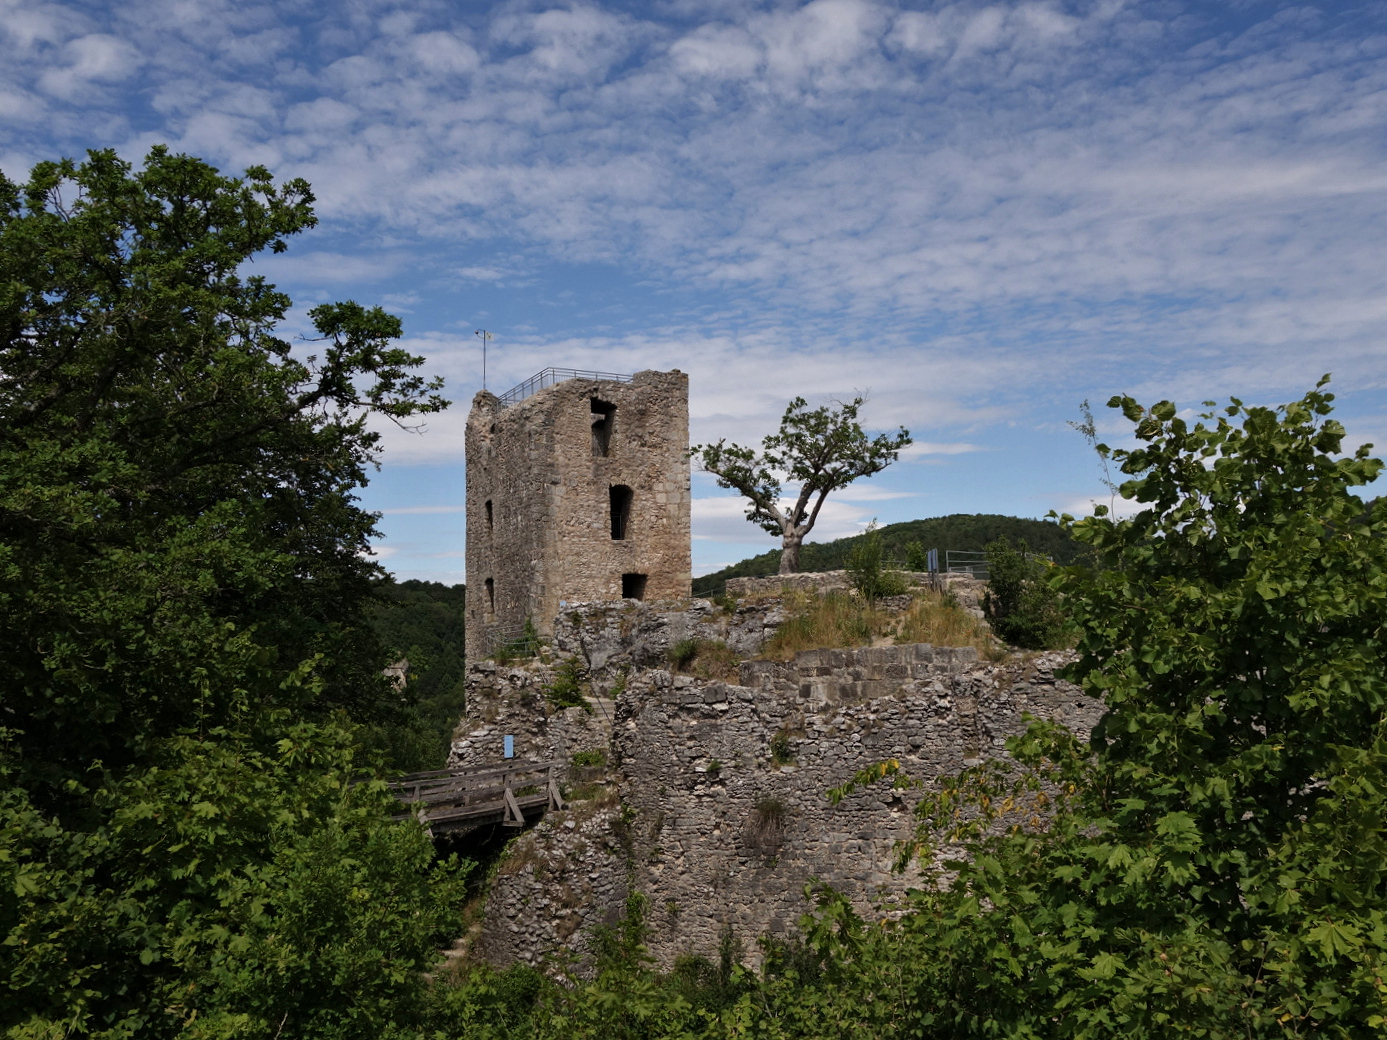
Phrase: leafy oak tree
(820, 449)
(184, 622)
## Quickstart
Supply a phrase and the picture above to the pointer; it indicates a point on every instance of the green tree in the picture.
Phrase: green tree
(1019, 603)
(1212, 861)
(422, 622)
(820, 449)
(184, 609)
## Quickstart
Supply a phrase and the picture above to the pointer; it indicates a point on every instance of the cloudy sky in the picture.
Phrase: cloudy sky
(979, 214)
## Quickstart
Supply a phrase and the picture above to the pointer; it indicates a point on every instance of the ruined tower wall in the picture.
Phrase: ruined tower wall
(547, 536)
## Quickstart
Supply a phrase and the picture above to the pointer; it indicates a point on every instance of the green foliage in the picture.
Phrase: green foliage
(782, 751)
(682, 653)
(591, 757)
(820, 449)
(1020, 604)
(185, 623)
(706, 658)
(422, 623)
(959, 531)
(565, 690)
(834, 619)
(1213, 860)
(916, 557)
(865, 569)
(238, 886)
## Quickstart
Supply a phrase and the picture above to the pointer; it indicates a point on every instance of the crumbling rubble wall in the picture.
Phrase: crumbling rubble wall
(719, 830)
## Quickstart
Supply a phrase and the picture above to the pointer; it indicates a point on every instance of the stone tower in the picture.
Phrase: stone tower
(577, 490)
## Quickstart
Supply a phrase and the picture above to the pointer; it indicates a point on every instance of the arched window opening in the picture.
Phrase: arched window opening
(621, 511)
(603, 419)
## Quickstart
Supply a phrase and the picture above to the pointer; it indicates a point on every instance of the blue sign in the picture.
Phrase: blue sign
(510, 745)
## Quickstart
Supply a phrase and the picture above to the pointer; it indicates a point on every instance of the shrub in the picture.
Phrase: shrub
(682, 653)
(727, 602)
(1020, 604)
(591, 757)
(916, 557)
(781, 752)
(865, 569)
(713, 658)
(522, 647)
(566, 689)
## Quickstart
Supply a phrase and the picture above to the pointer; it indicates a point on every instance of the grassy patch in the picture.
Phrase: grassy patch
(835, 619)
(939, 619)
(706, 658)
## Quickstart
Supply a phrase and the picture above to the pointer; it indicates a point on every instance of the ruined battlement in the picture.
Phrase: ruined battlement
(577, 490)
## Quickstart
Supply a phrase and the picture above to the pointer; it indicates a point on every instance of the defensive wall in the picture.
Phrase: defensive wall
(712, 798)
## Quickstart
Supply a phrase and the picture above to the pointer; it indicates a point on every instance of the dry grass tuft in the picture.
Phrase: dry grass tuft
(766, 827)
(710, 659)
(839, 620)
(833, 620)
(937, 618)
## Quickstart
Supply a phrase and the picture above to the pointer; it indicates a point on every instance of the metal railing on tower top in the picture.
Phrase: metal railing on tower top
(549, 377)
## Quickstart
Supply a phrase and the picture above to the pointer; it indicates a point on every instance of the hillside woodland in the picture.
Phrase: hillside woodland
(420, 623)
(196, 842)
(971, 532)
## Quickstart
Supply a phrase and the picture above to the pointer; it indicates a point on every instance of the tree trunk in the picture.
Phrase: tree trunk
(789, 554)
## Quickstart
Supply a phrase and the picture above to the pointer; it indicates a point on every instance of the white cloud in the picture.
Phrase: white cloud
(980, 212)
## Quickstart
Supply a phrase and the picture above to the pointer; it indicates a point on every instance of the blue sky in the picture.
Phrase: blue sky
(978, 214)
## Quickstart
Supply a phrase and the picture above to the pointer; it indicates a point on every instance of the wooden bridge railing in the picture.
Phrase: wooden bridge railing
(461, 799)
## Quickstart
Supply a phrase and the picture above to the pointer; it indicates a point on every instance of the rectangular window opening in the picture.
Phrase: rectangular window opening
(620, 496)
(491, 595)
(489, 525)
(633, 586)
(603, 418)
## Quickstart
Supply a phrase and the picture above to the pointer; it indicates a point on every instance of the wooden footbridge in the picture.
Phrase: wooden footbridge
(509, 793)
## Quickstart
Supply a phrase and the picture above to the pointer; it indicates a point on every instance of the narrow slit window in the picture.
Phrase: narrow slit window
(491, 595)
(603, 419)
(621, 511)
(489, 523)
(633, 586)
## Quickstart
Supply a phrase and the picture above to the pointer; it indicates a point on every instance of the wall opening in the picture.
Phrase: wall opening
(603, 419)
(620, 496)
(491, 595)
(633, 586)
(489, 523)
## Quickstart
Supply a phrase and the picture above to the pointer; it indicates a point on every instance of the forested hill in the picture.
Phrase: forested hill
(423, 622)
(958, 531)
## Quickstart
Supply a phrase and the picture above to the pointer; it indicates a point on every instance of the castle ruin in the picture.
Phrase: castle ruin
(577, 491)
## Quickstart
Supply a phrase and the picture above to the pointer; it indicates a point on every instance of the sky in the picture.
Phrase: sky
(977, 215)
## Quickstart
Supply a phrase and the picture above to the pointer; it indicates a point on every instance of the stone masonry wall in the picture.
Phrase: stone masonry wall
(692, 762)
(539, 498)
